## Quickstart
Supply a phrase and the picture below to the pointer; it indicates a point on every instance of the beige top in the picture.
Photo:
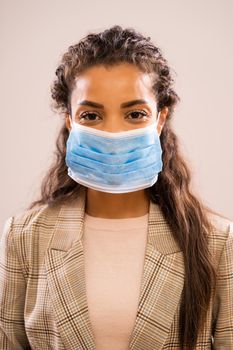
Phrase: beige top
(113, 276)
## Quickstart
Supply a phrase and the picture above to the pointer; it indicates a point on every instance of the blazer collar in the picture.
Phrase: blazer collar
(161, 284)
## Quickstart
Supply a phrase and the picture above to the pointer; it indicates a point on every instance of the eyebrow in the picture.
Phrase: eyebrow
(123, 105)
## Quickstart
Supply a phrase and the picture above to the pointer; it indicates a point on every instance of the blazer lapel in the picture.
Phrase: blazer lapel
(161, 284)
(161, 288)
(64, 264)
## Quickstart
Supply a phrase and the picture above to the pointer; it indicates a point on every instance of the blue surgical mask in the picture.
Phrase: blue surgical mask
(114, 162)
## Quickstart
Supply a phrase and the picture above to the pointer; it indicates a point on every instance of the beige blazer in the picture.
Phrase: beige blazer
(43, 301)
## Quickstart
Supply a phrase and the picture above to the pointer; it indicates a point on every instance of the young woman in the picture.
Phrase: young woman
(118, 253)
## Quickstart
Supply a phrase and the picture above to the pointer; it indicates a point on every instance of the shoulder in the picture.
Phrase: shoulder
(221, 236)
(36, 221)
(222, 227)
(29, 232)
(221, 223)
(38, 216)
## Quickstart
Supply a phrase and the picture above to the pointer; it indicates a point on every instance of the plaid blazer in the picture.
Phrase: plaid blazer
(43, 301)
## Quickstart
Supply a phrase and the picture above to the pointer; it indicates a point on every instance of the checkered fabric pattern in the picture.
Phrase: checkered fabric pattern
(43, 302)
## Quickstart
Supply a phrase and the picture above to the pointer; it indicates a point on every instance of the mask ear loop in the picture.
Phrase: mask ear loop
(72, 122)
(158, 117)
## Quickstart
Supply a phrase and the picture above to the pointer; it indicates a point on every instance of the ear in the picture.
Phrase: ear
(68, 121)
(162, 119)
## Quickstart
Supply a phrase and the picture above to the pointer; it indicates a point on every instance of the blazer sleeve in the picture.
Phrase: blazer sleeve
(12, 294)
(223, 334)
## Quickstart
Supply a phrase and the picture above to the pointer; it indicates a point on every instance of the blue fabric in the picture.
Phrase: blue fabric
(114, 162)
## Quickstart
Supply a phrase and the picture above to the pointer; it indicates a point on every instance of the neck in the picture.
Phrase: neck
(116, 205)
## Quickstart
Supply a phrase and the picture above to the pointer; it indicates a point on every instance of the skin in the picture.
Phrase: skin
(111, 87)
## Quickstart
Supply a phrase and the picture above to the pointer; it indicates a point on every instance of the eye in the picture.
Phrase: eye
(90, 115)
(136, 115)
(137, 112)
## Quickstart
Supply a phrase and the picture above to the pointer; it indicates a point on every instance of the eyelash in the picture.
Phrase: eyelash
(142, 112)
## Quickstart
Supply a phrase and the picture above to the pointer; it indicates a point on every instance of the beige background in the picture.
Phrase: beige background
(196, 38)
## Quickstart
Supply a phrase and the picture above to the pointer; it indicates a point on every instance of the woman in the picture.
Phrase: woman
(118, 253)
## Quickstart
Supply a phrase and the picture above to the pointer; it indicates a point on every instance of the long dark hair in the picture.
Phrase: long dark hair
(185, 213)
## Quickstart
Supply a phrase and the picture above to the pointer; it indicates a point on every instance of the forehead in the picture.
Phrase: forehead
(119, 81)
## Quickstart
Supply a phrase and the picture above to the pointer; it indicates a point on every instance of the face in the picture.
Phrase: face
(114, 99)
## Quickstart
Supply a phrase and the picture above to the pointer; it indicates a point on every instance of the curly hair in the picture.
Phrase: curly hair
(184, 212)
